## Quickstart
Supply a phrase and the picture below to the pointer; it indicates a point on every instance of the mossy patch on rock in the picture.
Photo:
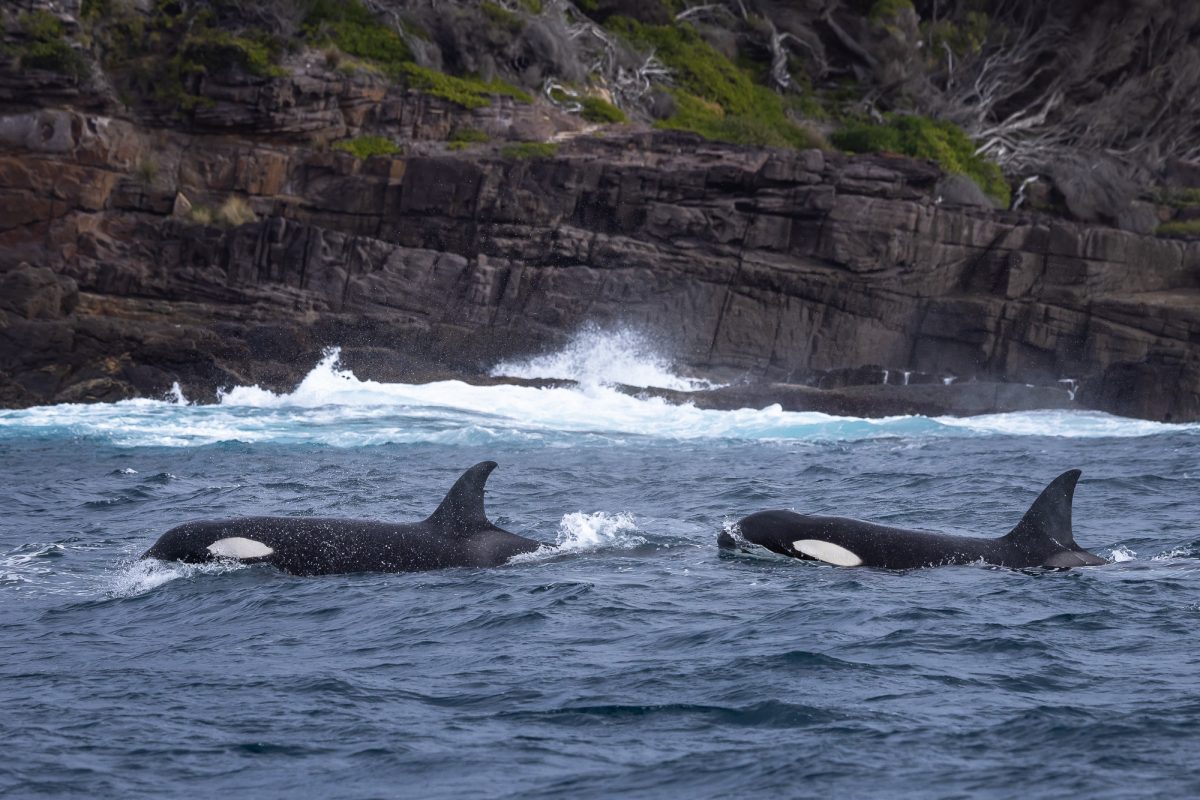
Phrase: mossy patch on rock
(597, 109)
(466, 92)
(527, 150)
(1188, 227)
(365, 147)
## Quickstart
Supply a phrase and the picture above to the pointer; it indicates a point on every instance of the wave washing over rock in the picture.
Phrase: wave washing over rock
(332, 406)
(596, 357)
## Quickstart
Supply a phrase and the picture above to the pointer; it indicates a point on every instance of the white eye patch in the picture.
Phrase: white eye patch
(238, 547)
(828, 552)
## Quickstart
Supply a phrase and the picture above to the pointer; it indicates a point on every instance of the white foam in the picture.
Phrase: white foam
(148, 574)
(333, 406)
(175, 396)
(1173, 553)
(1069, 424)
(597, 357)
(580, 531)
(1121, 553)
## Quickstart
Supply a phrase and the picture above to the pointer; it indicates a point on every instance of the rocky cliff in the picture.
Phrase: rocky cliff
(874, 278)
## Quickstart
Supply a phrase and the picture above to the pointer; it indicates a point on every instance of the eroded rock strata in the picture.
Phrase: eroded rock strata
(762, 267)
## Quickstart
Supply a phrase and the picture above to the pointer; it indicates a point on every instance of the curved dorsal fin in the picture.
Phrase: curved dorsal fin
(461, 512)
(1048, 520)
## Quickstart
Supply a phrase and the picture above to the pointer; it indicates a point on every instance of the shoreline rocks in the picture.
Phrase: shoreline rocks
(771, 267)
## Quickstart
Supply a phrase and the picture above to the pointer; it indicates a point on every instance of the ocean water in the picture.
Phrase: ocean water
(633, 659)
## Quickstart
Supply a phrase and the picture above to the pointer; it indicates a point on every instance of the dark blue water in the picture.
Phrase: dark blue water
(641, 662)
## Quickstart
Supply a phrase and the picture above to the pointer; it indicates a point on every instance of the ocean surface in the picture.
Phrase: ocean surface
(632, 659)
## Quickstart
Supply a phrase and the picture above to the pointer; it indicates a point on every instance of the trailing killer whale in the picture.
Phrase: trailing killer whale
(457, 534)
(1041, 539)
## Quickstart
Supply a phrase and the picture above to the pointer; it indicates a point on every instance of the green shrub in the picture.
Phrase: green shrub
(41, 25)
(962, 38)
(210, 49)
(713, 96)
(235, 211)
(49, 48)
(921, 137)
(462, 138)
(1189, 227)
(1179, 198)
(146, 170)
(597, 109)
(884, 10)
(467, 136)
(503, 17)
(202, 215)
(353, 29)
(769, 128)
(523, 150)
(696, 67)
(366, 146)
(466, 92)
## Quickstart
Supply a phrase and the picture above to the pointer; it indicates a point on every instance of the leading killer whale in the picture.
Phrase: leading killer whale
(457, 534)
(1042, 538)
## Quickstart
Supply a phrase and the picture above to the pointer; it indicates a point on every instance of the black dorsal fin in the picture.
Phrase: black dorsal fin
(461, 512)
(1048, 520)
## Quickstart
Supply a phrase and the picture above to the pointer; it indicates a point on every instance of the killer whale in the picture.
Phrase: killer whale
(457, 534)
(1042, 538)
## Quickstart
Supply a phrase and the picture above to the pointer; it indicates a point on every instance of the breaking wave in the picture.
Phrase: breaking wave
(334, 407)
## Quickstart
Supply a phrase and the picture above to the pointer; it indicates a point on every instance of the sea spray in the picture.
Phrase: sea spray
(597, 357)
(580, 531)
(332, 406)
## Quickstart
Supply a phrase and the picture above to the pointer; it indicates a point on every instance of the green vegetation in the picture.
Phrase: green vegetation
(597, 109)
(462, 138)
(164, 53)
(525, 150)
(921, 137)
(146, 170)
(466, 92)
(532, 6)
(201, 215)
(963, 39)
(503, 17)
(353, 29)
(210, 49)
(1187, 227)
(1179, 198)
(364, 147)
(884, 10)
(349, 26)
(48, 47)
(235, 211)
(713, 96)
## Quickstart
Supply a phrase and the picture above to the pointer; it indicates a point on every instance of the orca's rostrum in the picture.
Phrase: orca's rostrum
(1042, 538)
(457, 534)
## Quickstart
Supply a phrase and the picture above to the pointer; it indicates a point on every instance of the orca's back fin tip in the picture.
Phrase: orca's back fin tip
(1049, 518)
(462, 509)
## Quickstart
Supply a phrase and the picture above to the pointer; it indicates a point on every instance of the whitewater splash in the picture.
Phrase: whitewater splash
(595, 357)
(332, 406)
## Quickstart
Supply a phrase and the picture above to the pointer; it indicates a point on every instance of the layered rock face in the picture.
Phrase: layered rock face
(760, 266)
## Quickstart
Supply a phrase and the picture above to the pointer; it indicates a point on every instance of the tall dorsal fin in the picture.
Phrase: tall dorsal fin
(1048, 520)
(461, 511)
